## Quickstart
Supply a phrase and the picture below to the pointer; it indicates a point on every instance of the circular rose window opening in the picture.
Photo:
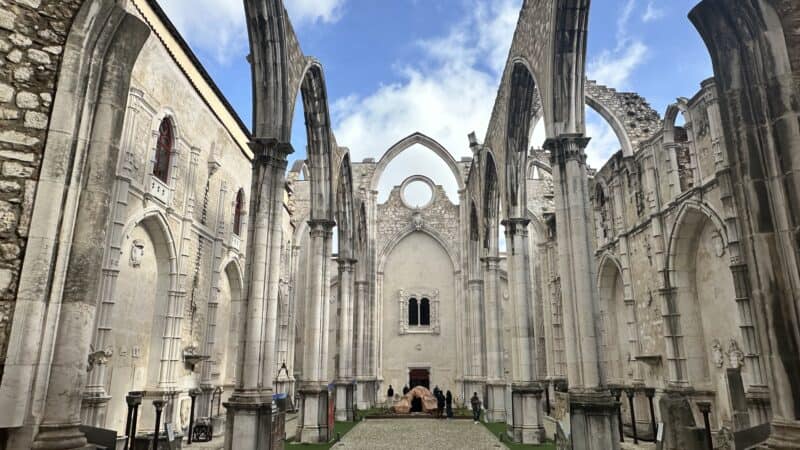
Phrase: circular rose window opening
(417, 194)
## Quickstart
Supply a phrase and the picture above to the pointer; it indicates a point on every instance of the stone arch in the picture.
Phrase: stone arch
(687, 345)
(345, 213)
(300, 168)
(406, 143)
(490, 205)
(232, 269)
(384, 253)
(628, 114)
(159, 219)
(321, 143)
(522, 110)
(612, 296)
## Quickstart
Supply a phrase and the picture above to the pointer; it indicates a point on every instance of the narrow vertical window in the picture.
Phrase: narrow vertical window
(164, 150)
(425, 313)
(238, 210)
(413, 312)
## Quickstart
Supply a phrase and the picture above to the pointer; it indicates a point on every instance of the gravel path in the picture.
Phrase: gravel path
(406, 434)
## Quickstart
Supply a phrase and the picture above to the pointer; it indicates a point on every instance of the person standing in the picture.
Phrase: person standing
(448, 403)
(475, 402)
(390, 393)
(405, 390)
(440, 401)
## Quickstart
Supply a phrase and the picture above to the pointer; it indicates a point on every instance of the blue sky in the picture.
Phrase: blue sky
(394, 67)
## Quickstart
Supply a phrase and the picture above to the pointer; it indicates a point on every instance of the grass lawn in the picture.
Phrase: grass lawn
(340, 429)
(498, 429)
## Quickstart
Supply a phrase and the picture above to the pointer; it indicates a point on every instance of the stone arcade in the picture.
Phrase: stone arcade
(153, 243)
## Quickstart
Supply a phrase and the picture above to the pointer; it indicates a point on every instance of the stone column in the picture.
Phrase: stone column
(345, 372)
(250, 407)
(361, 349)
(313, 426)
(495, 384)
(526, 426)
(592, 410)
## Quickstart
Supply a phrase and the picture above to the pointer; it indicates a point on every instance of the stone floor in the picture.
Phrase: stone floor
(391, 434)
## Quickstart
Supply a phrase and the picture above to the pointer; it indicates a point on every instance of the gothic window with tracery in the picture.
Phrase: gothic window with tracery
(164, 150)
(413, 312)
(425, 313)
(238, 211)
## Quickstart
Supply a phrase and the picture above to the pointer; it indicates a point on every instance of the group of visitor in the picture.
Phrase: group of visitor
(444, 403)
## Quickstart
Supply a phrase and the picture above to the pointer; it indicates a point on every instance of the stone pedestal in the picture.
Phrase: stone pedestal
(344, 401)
(313, 419)
(527, 414)
(365, 393)
(249, 422)
(593, 421)
(495, 401)
(784, 435)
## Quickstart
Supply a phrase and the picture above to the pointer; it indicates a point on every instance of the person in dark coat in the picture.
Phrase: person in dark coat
(475, 402)
(448, 402)
(440, 401)
(405, 390)
(390, 393)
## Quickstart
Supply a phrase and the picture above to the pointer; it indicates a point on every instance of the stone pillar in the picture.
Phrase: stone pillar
(592, 410)
(313, 425)
(526, 426)
(495, 384)
(250, 407)
(345, 372)
(363, 397)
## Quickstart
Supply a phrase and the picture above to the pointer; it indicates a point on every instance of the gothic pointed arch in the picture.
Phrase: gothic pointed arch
(408, 142)
(522, 110)
(345, 214)
(490, 205)
(384, 253)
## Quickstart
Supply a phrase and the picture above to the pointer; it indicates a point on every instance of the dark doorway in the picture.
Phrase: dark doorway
(419, 377)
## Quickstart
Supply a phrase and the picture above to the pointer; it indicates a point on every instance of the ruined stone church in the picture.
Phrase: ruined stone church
(161, 263)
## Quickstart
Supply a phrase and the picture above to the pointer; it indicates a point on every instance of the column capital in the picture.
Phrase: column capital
(346, 264)
(516, 225)
(491, 262)
(567, 147)
(271, 152)
(321, 227)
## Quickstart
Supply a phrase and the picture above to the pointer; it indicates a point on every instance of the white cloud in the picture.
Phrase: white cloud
(604, 142)
(447, 94)
(652, 13)
(311, 11)
(225, 38)
(614, 67)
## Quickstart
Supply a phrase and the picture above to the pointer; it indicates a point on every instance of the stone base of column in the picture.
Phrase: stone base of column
(313, 420)
(93, 409)
(248, 425)
(527, 427)
(365, 393)
(784, 435)
(495, 401)
(344, 401)
(593, 421)
(66, 437)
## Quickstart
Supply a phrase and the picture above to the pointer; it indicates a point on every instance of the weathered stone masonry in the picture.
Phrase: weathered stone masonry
(32, 36)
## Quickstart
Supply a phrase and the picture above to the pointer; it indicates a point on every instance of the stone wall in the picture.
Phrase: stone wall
(32, 38)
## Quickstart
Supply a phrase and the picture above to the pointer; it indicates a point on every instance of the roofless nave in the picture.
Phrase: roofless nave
(157, 252)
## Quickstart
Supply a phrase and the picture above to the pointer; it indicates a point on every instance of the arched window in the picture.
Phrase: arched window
(164, 150)
(425, 313)
(238, 210)
(413, 312)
